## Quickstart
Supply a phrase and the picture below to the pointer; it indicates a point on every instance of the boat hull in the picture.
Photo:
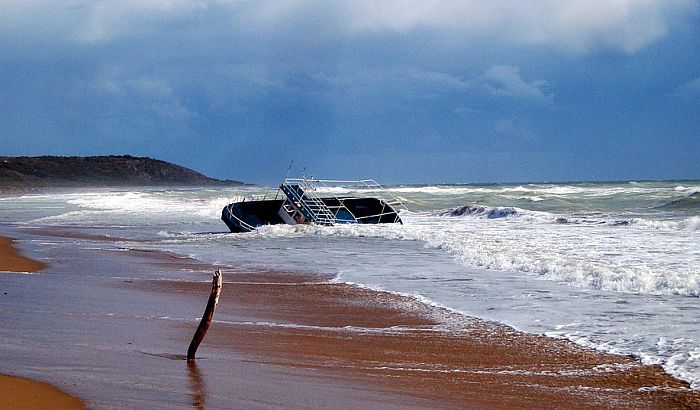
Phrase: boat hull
(248, 215)
(245, 216)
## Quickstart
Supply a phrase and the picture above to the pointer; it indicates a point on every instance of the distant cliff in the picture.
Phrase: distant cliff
(99, 171)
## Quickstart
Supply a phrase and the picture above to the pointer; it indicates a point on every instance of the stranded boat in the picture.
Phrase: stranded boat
(300, 204)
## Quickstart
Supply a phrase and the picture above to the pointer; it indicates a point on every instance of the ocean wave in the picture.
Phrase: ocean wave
(530, 198)
(609, 254)
(589, 221)
(688, 189)
(498, 212)
(336, 190)
(139, 205)
(690, 201)
(578, 262)
(478, 210)
(676, 356)
(688, 224)
(600, 256)
(442, 190)
(539, 189)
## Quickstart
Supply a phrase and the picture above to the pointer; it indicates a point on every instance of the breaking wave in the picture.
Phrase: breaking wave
(688, 224)
(500, 212)
(477, 210)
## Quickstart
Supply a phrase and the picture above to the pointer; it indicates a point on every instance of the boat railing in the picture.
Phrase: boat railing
(383, 193)
(304, 198)
(325, 202)
(261, 197)
(366, 186)
(243, 223)
(310, 203)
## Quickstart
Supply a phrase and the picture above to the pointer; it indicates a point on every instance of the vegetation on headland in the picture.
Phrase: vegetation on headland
(124, 170)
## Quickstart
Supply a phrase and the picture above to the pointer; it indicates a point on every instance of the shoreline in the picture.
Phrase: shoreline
(19, 392)
(340, 343)
(401, 345)
(12, 261)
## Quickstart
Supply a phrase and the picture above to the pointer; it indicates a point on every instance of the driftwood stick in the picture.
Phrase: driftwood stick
(208, 315)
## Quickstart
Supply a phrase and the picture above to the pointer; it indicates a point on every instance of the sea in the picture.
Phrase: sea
(613, 266)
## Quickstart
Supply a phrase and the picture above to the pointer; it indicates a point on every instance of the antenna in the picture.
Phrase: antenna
(289, 170)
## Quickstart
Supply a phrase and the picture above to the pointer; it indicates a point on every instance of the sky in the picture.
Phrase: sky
(402, 91)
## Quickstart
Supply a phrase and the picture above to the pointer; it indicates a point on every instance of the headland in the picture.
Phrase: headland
(18, 173)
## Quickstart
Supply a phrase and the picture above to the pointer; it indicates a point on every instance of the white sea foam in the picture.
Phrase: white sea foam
(348, 329)
(145, 202)
(135, 208)
(689, 224)
(553, 190)
(687, 189)
(620, 259)
(439, 190)
(19, 273)
(333, 190)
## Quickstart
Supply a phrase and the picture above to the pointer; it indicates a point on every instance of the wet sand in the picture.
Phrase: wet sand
(17, 392)
(395, 343)
(300, 340)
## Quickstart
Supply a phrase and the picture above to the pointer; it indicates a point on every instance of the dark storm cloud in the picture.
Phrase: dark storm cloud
(472, 90)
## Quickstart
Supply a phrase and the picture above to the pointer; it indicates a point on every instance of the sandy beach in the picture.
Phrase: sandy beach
(412, 204)
(12, 261)
(299, 339)
(385, 341)
(18, 392)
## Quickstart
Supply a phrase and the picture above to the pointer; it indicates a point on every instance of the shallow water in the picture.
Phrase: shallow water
(615, 266)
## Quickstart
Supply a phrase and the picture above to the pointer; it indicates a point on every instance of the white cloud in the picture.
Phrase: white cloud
(692, 87)
(90, 21)
(505, 80)
(576, 27)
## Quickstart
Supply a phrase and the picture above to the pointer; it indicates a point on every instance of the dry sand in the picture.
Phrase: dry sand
(18, 393)
(12, 261)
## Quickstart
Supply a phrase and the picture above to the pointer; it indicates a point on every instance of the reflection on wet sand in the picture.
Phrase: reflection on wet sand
(198, 390)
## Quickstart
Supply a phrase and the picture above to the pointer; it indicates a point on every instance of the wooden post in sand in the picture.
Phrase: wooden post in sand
(208, 315)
